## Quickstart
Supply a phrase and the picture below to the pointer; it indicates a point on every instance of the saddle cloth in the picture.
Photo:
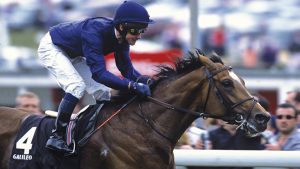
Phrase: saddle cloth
(29, 147)
(29, 150)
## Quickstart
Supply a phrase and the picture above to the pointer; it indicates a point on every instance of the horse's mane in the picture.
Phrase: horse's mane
(181, 65)
(185, 64)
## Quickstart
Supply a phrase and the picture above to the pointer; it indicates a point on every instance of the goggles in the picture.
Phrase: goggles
(136, 31)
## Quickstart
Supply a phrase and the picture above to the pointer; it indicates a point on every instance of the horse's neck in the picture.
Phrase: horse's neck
(180, 94)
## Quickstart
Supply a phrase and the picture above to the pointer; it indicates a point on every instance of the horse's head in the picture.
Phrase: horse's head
(208, 86)
(227, 98)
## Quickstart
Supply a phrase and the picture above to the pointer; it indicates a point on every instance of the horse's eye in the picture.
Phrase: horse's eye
(227, 83)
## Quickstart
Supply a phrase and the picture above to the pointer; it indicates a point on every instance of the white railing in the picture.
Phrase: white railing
(243, 158)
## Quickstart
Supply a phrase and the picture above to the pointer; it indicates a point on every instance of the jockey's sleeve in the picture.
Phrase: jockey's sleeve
(95, 60)
(92, 47)
(102, 75)
(111, 80)
(124, 64)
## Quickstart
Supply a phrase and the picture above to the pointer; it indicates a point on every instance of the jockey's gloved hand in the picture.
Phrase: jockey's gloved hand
(145, 80)
(140, 89)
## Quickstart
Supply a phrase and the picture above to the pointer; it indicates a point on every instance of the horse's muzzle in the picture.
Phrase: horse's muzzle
(261, 119)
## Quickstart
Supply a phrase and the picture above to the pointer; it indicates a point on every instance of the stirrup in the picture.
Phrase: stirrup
(73, 151)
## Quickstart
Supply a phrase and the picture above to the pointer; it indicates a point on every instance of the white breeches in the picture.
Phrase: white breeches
(72, 75)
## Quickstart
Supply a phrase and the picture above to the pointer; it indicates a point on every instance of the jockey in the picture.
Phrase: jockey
(74, 53)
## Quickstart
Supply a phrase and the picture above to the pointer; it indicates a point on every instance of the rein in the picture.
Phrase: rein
(109, 118)
(175, 108)
(151, 123)
(222, 99)
(237, 119)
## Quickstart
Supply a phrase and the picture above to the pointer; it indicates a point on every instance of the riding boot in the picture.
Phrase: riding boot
(57, 141)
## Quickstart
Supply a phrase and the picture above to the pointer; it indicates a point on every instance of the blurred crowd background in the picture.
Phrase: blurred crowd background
(257, 37)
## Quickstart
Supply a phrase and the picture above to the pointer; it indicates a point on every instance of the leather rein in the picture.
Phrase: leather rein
(229, 107)
(233, 118)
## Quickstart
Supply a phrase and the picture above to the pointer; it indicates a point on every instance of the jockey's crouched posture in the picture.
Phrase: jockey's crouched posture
(74, 53)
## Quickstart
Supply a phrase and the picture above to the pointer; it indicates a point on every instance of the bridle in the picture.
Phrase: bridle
(233, 118)
(236, 119)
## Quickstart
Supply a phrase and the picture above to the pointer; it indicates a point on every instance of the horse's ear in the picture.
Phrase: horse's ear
(215, 58)
(205, 60)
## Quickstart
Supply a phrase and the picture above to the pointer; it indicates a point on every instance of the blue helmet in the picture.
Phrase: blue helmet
(131, 12)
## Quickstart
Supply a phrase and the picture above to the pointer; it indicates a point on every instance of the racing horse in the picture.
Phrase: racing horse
(144, 133)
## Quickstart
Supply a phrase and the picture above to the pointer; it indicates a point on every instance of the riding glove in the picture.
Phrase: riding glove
(145, 80)
(139, 88)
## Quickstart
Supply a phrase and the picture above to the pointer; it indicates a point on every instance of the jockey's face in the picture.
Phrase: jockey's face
(133, 34)
(131, 39)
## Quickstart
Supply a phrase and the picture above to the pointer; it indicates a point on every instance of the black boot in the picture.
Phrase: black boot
(56, 141)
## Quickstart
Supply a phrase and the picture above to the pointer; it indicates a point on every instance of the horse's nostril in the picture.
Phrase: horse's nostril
(261, 119)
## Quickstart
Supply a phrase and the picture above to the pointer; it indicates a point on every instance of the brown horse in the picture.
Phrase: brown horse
(143, 135)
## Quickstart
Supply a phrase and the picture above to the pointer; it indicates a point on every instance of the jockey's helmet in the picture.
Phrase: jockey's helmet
(133, 17)
(132, 12)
